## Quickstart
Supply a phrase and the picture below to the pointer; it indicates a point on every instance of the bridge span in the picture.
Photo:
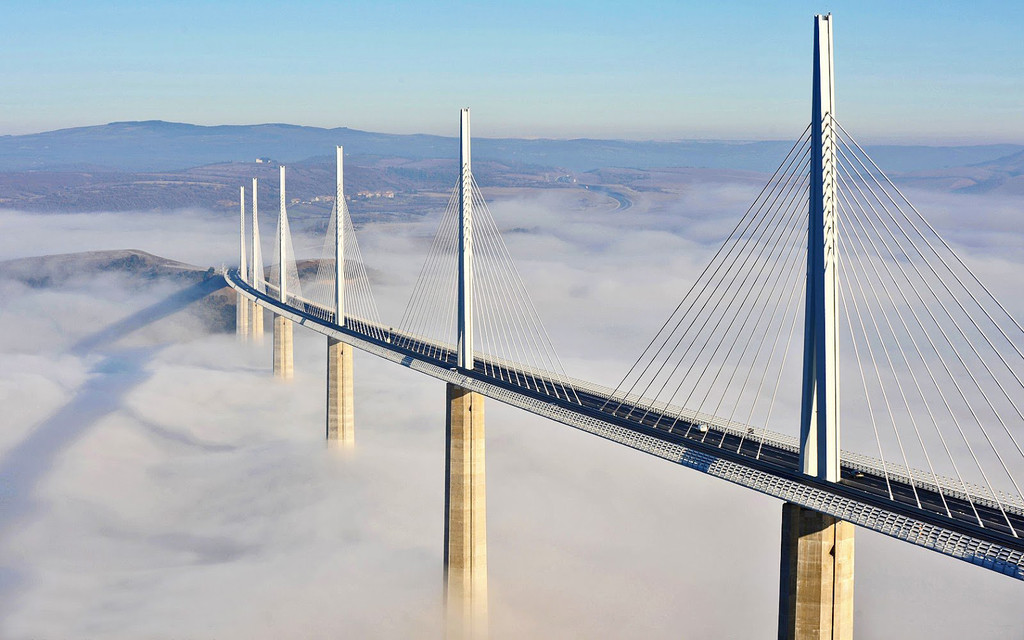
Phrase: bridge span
(937, 357)
(705, 443)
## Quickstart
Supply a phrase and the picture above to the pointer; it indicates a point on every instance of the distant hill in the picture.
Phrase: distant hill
(165, 166)
(154, 146)
(216, 310)
(378, 186)
(56, 270)
(1003, 175)
(141, 270)
(1012, 164)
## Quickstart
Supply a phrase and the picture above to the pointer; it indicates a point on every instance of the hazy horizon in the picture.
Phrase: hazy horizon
(897, 140)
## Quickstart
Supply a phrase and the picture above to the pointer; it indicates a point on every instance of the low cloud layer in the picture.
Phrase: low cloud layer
(165, 486)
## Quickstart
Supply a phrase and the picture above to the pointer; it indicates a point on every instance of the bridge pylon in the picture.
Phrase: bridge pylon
(464, 337)
(465, 530)
(819, 418)
(242, 305)
(340, 397)
(256, 268)
(284, 367)
(816, 570)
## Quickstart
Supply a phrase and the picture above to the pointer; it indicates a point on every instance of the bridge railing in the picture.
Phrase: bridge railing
(488, 359)
(967, 547)
(850, 460)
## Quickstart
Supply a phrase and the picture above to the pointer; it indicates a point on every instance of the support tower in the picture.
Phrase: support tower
(241, 302)
(816, 569)
(283, 352)
(256, 271)
(465, 530)
(340, 412)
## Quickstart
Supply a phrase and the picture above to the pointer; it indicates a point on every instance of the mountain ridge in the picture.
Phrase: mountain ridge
(158, 145)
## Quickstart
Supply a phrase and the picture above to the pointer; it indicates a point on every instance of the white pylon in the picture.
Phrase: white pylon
(819, 422)
(241, 302)
(243, 269)
(257, 250)
(339, 244)
(282, 245)
(465, 302)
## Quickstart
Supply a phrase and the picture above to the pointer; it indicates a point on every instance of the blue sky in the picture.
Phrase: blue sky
(948, 72)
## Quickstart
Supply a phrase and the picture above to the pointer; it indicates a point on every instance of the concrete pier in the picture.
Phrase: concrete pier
(816, 577)
(283, 358)
(241, 317)
(256, 320)
(340, 414)
(465, 531)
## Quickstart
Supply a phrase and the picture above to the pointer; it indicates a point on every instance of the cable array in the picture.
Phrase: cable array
(293, 286)
(933, 364)
(360, 307)
(259, 279)
(930, 359)
(724, 351)
(940, 380)
(510, 342)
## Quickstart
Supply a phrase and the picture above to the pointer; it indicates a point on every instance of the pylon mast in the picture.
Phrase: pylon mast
(465, 323)
(819, 423)
(243, 269)
(282, 244)
(257, 251)
(339, 244)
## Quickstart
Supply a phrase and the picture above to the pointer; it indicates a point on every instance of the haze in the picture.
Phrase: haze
(179, 491)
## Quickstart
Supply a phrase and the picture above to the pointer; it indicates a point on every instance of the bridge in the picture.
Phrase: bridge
(933, 357)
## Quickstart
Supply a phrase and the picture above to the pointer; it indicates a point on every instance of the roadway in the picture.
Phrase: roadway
(983, 520)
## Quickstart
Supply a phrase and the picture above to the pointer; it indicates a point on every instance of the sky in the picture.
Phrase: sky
(646, 70)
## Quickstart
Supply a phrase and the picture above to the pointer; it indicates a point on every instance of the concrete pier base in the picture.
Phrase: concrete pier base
(283, 359)
(242, 317)
(816, 585)
(465, 531)
(256, 318)
(340, 414)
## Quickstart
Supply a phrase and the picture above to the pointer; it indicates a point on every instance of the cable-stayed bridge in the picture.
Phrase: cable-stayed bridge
(831, 274)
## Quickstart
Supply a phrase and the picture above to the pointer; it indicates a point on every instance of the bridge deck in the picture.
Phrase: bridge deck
(768, 465)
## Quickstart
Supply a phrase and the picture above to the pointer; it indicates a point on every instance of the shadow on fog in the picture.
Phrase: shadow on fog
(120, 371)
(171, 304)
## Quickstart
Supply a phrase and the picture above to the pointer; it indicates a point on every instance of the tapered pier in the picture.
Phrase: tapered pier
(340, 412)
(256, 321)
(284, 365)
(816, 576)
(465, 531)
(816, 590)
(242, 326)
